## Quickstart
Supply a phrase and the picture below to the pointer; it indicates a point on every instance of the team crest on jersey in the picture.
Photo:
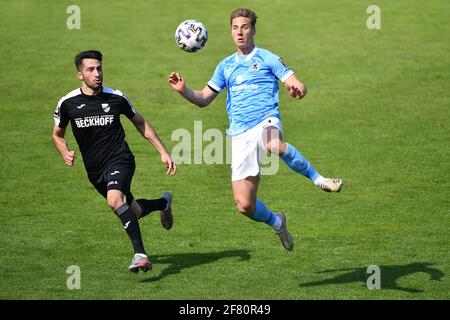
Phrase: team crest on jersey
(255, 67)
(106, 107)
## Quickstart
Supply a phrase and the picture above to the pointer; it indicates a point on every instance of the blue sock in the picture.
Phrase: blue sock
(297, 162)
(263, 214)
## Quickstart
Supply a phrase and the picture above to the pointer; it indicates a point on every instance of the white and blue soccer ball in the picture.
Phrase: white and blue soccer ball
(191, 35)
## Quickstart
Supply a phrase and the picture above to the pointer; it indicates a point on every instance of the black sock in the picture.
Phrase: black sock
(148, 206)
(131, 226)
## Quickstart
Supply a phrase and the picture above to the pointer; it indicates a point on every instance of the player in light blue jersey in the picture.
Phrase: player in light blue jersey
(251, 77)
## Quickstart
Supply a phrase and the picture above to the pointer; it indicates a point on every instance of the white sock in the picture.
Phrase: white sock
(319, 180)
(277, 224)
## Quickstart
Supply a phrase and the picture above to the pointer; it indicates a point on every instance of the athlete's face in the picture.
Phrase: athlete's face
(91, 73)
(242, 33)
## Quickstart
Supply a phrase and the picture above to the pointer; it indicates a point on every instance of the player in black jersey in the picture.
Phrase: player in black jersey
(94, 114)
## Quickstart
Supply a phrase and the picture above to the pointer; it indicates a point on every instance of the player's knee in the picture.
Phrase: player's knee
(115, 198)
(115, 202)
(276, 146)
(245, 206)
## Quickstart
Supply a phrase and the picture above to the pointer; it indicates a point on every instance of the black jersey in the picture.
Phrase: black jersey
(95, 122)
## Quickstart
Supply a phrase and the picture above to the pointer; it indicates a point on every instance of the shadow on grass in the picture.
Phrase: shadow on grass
(178, 262)
(389, 276)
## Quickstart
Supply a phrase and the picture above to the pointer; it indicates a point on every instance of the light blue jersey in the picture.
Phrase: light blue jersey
(252, 87)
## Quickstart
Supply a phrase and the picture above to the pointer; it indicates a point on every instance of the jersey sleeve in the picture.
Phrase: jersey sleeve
(127, 107)
(217, 82)
(279, 68)
(60, 115)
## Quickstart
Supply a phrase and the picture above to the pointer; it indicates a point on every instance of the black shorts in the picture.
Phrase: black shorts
(116, 176)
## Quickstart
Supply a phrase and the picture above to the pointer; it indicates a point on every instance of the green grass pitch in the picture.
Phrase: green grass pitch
(376, 115)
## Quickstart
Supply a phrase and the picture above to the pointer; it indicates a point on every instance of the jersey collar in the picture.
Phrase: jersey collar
(86, 95)
(249, 56)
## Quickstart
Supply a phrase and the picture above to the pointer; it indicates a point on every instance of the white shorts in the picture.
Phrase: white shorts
(247, 149)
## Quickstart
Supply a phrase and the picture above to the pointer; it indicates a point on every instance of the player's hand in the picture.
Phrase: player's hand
(170, 165)
(176, 82)
(295, 92)
(69, 157)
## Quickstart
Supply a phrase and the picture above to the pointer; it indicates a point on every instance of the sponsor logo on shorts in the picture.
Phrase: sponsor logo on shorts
(111, 183)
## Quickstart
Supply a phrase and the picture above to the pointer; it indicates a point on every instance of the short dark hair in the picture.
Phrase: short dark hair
(246, 13)
(89, 54)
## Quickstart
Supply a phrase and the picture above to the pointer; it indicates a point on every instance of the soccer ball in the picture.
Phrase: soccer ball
(191, 35)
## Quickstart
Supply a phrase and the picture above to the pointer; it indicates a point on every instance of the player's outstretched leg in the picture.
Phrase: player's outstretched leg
(140, 261)
(297, 162)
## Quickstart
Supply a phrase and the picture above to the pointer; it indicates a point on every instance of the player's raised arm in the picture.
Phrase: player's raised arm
(150, 134)
(200, 98)
(295, 87)
(60, 143)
